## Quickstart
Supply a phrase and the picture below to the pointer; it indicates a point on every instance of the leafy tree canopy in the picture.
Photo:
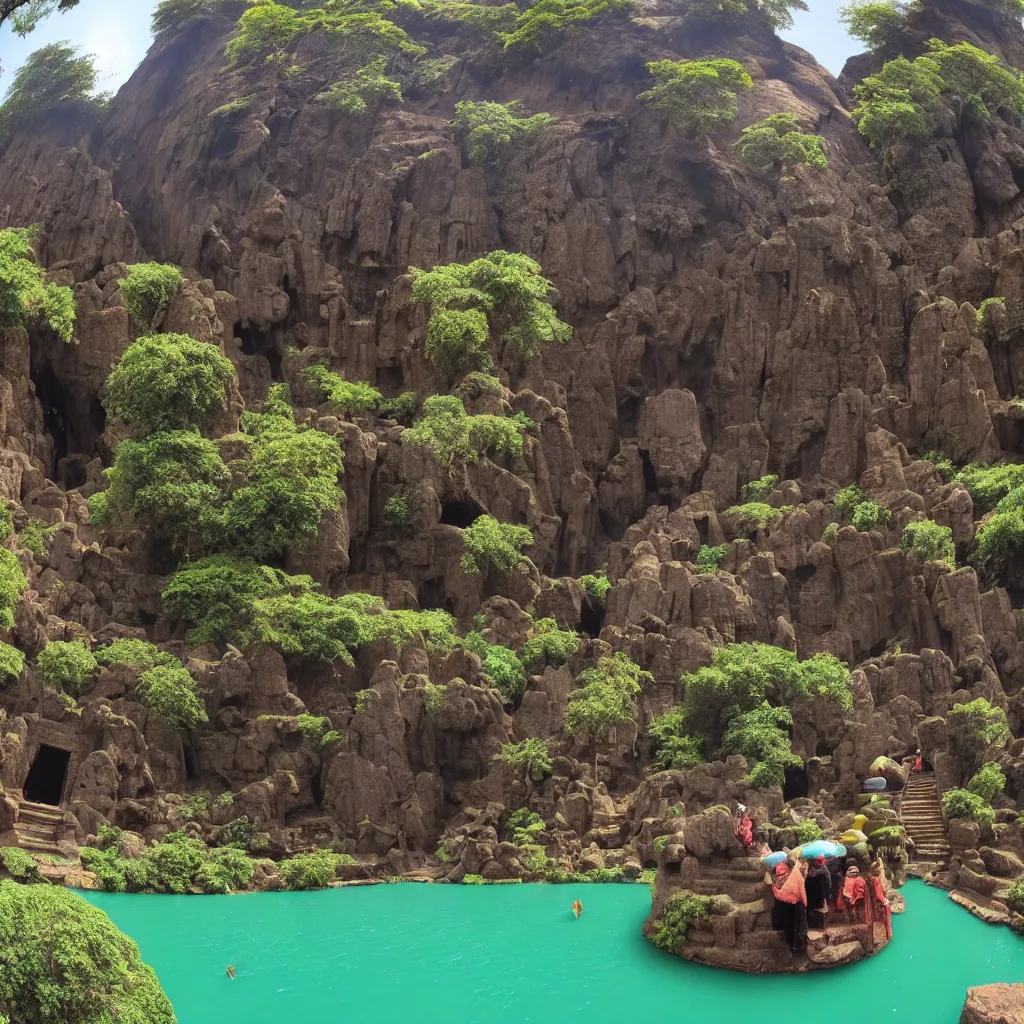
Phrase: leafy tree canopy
(24, 15)
(12, 583)
(545, 21)
(25, 294)
(531, 756)
(147, 289)
(170, 692)
(454, 436)
(697, 95)
(349, 398)
(877, 23)
(66, 664)
(488, 543)
(778, 142)
(490, 131)
(604, 698)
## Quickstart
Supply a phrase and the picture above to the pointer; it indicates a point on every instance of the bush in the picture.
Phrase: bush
(225, 870)
(502, 295)
(167, 382)
(65, 962)
(988, 485)
(758, 490)
(777, 143)
(147, 290)
(927, 541)
(503, 666)
(762, 737)
(488, 544)
(961, 803)
(20, 864)
(596, 585)
(175, 15)
(867, 515)
(1015, 896)
(541, 24)
(455, 436)
(490, 132)
(754, 513)
(987, 781)
(368, 88)
(878, 24)
(137, 653)
(12, 661)
(170, 692)
(523, 827)
(603, 699)
(847, 499)
(683, 911)
(973, 728)
(697, 95)
(26, 297)
(396, 512)
(238, 832)
(350, 399)
(674, 747)
(548, 645)
(66, 665)
(766, 774)
(531, 756)
(12, 584)
(401, 409)
(310, 870)
(999, 541)
(808, 831)
(709, 559)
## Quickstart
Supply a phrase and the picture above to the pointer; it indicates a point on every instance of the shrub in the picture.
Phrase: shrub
(35, 536)
(396, 512)
(20, 864)
(170, 692)
(807, 831)
(401, 409)
(876, 23)
(369, 87)
(548, 645)
(65, 961)
(999, 541)
(531, 756)
(238, 832)
(455, 436)
(542, 23)
(313, 727)
(175, 15)
(758, 490)
(988, 485)
(6, 522)
(502, 295)
(310, 870)
(596, 585)
(754, 513)
(490, 132)
(12, 661)
(683, 910)
(66, 665)
(761, 735)
(973, 728)
(523, 827)
(350, 399)
(766, 774)
(147, 290)
(961, 803)
(927, 541)
(174, 864)
(488, 544)
(26, 296)
(987, 781)
(137, 653)
(867, 515)
(709, 559)
(167, 382)
(847, 499)
(225, 870)
(12, 583)
(503, 666)
(674, 747)
(986, 304)
(1015, 896)
(775, 143)
(697, 95)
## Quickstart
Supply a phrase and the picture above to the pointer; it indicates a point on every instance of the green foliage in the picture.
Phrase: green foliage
(454, 436)
(225, 870)
(808, 831)
(709, 559)
(396, 512)
(972, 728)
(35, 536)
(238, 832)
(531, 756)
(987, 781)
(65, 962)
(12, 583)
(401, 409)
(368, 88)
(762, 736)
(778, 12)
(147, 290)
(503, 666)
(755, 513)
(878, 24)
(66, 665)
(137, 653)
(26, 296)
(596, 585)
(310, 870)
(488, 544)
(674, 747)
(999, 541)
(502, 295)
(548, 645)
(988, 485)
(867, 515)
(490, 132)
(170, 691)
(927, 541)
(759, 490)
(683, 911)
(541, 24)
(313, 727)
(51, 76)
(697, 95)
(172, 483)
(169, 382)
(6, 522)
(20, 864)
(1015, 896)
(847, 499)
(993, 301)
(777, 142)
(604, 698)
(350, 399)
(175, 15)
(961, 803)
(523, 827)
(12, 661)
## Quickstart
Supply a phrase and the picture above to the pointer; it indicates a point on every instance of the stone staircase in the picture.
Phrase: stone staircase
(921, 816)
(38, 827)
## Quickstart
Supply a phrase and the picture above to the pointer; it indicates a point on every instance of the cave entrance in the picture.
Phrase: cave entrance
(52, 398)
(47, 776)
(460, 513)
(591, 617)
(796, 784)
(318, 790)
(259, 343)
(188, 755)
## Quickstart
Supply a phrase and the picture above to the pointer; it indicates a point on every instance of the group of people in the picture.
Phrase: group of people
(807, 892)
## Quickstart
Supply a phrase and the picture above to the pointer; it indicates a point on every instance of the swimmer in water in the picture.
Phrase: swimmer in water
(231, 970)
(577, 908)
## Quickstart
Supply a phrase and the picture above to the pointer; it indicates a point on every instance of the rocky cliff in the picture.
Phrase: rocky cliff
(820, 326)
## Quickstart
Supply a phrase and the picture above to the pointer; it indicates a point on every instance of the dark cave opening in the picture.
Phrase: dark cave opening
(460, 513)
(188, 754)
(591, 618)
(796, 784)
(255, 342)
(318, 790)
(390, 379)
(824, 749)
(613, 528)
(431, 594)
(629, 416)
(294, 299)
(701, 522)
(46, 777)
(650, 476)
(53, 399)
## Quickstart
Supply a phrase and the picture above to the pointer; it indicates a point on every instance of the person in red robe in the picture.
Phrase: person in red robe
(854, 898)
(743, 826)
(882, 909)
(918, 762)
(789, 912)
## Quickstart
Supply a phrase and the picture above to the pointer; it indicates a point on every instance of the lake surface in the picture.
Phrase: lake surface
(508, 954)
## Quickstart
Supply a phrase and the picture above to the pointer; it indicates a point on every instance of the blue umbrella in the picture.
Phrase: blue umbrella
(822, 848)
(772, 859)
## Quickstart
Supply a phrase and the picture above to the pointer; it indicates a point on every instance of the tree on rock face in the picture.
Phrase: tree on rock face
(64, 962)
(697, 95)
(25, 294)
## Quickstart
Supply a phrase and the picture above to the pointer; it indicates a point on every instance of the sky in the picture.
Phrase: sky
(116, 32)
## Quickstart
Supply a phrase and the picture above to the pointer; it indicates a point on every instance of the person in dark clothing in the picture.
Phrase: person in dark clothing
(789, 911)
(819, 891)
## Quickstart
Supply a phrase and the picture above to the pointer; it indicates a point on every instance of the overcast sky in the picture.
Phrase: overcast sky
(116, 32)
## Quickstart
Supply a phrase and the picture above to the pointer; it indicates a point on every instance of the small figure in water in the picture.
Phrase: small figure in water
(577, 908)
(231, 971)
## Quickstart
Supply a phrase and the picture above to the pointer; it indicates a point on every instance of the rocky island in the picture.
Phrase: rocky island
(491, 443)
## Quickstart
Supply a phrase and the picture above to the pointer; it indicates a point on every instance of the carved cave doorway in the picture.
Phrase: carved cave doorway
(47, 776)
(796, 784)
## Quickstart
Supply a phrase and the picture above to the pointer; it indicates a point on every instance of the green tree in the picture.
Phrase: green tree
(542, 23)
(66, 664)
(454, 436)
(927, 541)
(989, 485)
(349, 398)
(24, 15)
(175, 15)
(987, 781)
(971, 729)
(491, 131)
(878, 24)
(761, 735)
(961, 803)
(502, 665)
(12, 661)
(311, 870)
(673, 746)
(12, 584)
(136, 653)
(25, 294)
(501, 296)
(170, 692)
(697, 95)
(147, 290)
(65, 962)
(548, 645)
(531, 756)
(773, 144)
(369, 88)
(51, 76)
(490, 544)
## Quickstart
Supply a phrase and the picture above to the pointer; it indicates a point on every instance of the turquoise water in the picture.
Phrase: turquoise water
(442, 954)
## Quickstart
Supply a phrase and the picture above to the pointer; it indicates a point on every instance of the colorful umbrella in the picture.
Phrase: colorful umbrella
(771, 859)
(822, 848)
